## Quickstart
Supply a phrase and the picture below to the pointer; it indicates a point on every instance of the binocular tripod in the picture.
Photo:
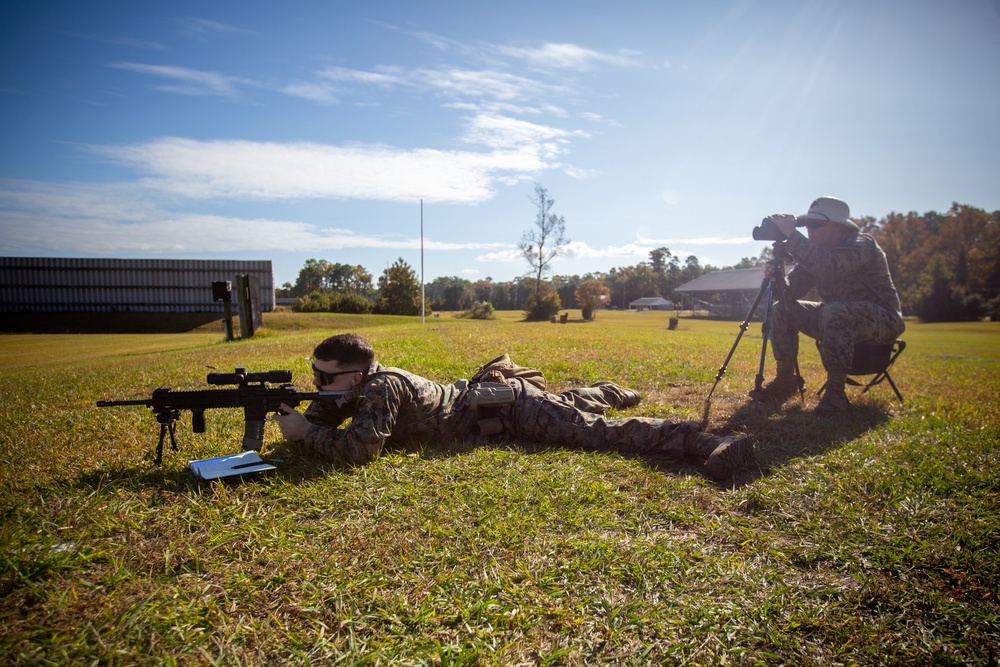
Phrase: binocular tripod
(772, 286)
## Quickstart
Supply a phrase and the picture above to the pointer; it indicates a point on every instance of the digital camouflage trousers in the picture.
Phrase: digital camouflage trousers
(557, 419)
(839, 326)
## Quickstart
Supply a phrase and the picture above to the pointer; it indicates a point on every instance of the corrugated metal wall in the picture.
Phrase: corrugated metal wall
(51, 284)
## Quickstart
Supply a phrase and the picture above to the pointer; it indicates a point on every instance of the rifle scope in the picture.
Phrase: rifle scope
(240, 376)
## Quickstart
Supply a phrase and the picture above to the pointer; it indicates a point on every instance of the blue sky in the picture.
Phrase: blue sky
(296, 130)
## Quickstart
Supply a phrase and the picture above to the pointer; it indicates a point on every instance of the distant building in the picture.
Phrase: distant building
(49, 284)
(651, 303)
(726, 294)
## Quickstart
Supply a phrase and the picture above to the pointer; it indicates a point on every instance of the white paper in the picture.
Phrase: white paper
(229, 465)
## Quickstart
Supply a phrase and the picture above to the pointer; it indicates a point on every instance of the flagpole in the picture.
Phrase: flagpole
(423, 309)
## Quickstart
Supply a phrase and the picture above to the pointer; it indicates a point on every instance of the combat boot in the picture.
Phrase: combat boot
(617, 396)
(784, 385)
(722, 457)
(834, 399)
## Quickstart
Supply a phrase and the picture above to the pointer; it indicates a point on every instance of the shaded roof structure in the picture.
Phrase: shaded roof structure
(735, 280)
(732, 280)
(650, 302)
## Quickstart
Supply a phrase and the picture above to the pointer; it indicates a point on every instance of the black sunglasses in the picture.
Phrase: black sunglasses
(327, 378)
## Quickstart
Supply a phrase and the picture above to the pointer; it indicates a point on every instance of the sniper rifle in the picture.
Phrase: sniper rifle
(249, 391)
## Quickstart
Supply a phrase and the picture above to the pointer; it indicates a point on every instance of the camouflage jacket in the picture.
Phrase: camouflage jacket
(856, 270)
(392, 406)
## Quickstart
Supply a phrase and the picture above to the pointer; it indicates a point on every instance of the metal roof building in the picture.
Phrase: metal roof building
(51, 284)
(727, 294)
(651, 303)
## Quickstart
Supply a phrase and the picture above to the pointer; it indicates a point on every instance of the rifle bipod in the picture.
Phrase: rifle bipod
(771, 286)
(168, 423)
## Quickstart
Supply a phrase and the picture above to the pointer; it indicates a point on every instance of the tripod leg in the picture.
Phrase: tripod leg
(765, 331)
(743, 327)
(801, 381)
(725, 364)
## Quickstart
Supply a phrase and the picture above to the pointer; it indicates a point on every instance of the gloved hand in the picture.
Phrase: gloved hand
(785, 222)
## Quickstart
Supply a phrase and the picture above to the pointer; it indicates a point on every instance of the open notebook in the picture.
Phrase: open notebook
(229, 465)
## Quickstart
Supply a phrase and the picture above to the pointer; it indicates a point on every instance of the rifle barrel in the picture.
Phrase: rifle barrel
(137, 401)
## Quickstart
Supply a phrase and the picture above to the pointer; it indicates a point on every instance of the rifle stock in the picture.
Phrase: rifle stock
(252, 393)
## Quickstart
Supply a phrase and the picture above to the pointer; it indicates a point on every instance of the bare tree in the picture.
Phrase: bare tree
(541, 244)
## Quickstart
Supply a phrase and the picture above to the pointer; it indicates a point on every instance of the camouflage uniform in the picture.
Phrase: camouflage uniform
(538, 416)
(394, 406)
(860, 303)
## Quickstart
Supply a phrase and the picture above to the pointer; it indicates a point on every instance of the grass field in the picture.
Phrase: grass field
(868, 539)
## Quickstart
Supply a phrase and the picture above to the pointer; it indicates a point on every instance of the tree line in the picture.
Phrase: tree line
(325, 286)
(945, 267)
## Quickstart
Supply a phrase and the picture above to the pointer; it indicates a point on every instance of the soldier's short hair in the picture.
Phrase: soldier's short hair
(348, 349)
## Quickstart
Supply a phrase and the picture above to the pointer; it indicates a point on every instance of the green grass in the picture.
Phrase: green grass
(871, 539)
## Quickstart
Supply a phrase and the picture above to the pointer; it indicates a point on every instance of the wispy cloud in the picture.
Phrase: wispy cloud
(389, 77)
(503, 133)
(493, 84)
(637, 251)
(130, 42)
(202, 29)
(188, 81)
(576, 250)
(568, 56)
(497, 145)
(99, 219)
(264, 170)
(698, 240)
(551, 55)
(455, 83)
(117, 219)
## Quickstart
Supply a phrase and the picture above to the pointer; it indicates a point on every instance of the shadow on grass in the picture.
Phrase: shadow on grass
(780, 434)
(171, 478)
(784, 433)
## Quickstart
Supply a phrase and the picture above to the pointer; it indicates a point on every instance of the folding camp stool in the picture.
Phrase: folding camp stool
(873, 359)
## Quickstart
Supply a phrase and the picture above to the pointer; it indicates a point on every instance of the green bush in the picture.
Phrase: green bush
(479, 311)
(314, 302)
(350, 302)
(540, 309)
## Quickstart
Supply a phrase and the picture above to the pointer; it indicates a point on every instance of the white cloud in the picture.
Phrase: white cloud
(567, 56)
(94, 219)
(700, 240)
(502, 256)
(505, 133)
(576, 250)
(454, 82)
(389, 77)
(202, 28)
(627, 253)
(188, 81)
(483, 83)
(265, 170)
(318, 92)
(580, 174)
(548, 56)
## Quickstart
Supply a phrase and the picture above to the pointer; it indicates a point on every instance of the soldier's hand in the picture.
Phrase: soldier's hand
(294, 426)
